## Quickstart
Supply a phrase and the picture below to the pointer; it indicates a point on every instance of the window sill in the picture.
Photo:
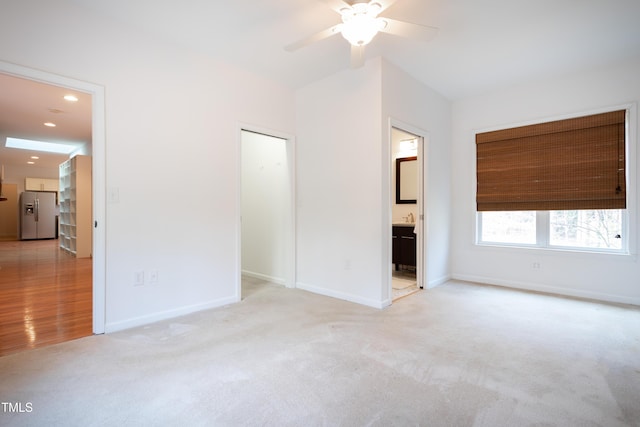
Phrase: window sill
(505, 247)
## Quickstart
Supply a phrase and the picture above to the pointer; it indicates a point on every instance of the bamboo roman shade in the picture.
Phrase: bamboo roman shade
(562, 165)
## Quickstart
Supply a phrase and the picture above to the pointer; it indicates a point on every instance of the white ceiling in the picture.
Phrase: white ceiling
(480, 46)
(25, 106)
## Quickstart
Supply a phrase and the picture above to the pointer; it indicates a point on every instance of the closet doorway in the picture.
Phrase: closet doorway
(266, 210)
(407, 212)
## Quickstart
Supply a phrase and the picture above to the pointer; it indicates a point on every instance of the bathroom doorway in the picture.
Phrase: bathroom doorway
(407, 213)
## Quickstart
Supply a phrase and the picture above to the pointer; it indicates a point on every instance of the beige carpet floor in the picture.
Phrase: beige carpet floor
(457, 355)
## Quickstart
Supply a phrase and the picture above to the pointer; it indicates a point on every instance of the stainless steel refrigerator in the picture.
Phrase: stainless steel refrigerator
(37, 215)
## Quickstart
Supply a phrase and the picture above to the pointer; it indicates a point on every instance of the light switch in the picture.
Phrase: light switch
(138, 278)
(113, 195)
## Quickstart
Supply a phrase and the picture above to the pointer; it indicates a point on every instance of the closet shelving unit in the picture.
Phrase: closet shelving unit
(75, 233)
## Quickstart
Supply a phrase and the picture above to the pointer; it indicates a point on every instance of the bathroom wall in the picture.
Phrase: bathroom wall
(400, 212)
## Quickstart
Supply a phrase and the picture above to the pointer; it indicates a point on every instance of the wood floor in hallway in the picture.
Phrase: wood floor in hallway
(45, 295)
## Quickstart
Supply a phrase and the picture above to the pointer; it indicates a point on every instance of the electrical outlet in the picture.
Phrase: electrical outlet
(153, 276)
(536, 266)
(138, 278)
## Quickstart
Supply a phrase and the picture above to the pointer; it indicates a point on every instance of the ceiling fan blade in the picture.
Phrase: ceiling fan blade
(336, 5)
(406, 29)
(357, 56)
(313, 38)
(386, 4)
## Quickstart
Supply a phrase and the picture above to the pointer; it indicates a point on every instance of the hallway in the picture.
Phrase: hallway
(45, 295)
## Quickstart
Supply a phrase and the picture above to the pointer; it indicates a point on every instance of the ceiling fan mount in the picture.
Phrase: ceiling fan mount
(361, 23)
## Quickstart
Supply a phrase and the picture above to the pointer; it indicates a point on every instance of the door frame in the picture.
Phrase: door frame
(290, 238)
(422, 211)
(98, 175)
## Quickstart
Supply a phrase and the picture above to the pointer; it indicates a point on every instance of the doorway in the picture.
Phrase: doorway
(407, 212)
(97, 261)
(266, 210)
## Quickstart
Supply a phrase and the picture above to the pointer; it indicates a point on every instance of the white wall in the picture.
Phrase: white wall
(344, 179)
(606, 277)
(83, 150)
(16, 174)
(408, 101)
(171, 152)
(338, 185)
(265, 206)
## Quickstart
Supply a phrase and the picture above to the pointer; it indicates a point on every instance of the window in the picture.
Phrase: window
(511, 227)
(600, 230)
(558, 184)
(595, 229)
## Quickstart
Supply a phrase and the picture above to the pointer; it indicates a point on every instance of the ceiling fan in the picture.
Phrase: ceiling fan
(360, 24)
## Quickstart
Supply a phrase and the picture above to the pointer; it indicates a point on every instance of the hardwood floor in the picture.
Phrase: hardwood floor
(45, 295)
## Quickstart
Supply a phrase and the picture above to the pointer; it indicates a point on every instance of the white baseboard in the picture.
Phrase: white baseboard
(169, 314)
(277, 280)
(529, 286)
(343, 296)
(437, 282)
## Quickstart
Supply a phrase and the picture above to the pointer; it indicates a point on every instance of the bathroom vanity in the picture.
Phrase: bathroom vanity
(404, 245)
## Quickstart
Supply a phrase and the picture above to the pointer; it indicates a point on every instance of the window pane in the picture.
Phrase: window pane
(509, 227)
(598, 229)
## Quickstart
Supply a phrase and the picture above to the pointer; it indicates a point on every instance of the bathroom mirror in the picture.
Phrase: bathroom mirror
(407, 180)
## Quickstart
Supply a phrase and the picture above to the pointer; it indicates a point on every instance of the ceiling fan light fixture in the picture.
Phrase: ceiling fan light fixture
(360, 23)
(374, 8)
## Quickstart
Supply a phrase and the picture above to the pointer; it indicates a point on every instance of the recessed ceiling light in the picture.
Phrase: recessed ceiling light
(35, 157)
(49, 124)
(31, 163)
(71, 98)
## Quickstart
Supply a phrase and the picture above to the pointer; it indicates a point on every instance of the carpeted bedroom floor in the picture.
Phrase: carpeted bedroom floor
(457, 355)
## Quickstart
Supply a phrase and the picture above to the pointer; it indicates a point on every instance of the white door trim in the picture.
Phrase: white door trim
(98, 172)
(290, 239)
